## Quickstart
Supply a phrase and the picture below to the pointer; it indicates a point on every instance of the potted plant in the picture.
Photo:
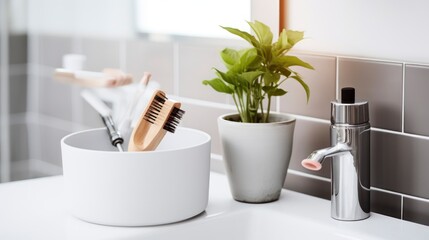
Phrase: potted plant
(257, 143)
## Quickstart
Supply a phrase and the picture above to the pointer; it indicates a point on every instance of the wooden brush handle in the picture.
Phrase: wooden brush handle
(149, 130)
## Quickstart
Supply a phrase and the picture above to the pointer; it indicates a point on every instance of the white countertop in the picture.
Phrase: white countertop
(35, 209)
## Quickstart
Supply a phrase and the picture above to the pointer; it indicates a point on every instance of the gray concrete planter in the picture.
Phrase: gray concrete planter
(256, 156)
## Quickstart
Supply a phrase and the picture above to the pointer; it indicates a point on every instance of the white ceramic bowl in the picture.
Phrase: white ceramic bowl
(108, 187)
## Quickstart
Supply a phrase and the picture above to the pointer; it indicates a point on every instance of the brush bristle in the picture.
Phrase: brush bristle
(153, 114)
(173, 119)
(155, 108)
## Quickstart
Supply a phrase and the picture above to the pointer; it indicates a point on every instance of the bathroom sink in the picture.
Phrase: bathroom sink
(255, 225)
(293, 216)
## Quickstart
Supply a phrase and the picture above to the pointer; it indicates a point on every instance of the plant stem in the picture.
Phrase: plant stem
(267, 116)
(243, 106)
(249, 104)
(236, 104)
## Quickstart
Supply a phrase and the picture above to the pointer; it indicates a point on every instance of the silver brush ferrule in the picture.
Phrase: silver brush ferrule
(115, 138)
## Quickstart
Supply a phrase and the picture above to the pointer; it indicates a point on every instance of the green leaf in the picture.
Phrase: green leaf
(270, 77)
(267, 53)
(282, 43)
(241, 82)
(249, 59)
(274, 91)
(294, 36)
(268, 89)
(288, 61)
(278, 92)
(251, 76)
(262, 31)
(225, 77)
(304, 85)
(284, 71)
(218, 85)
(244, 35)
(230, 57)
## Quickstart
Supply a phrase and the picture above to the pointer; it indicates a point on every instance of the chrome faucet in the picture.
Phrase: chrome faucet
(350, 148)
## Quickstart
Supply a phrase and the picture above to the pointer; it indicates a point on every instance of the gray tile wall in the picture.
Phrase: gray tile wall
(100, 54)
(50, 50)
(416, 88)
(380, 83)
(395, 91)
(18, 44)
(193, 71)
(324, 78)
(18, 97)
(309, 136)
(157, 57)
(416, 210)
(20, 164)
(18, 73)
(385, 203)
(18, 92)
(33, 138)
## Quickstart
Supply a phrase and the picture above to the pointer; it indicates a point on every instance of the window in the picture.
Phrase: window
(193, 18)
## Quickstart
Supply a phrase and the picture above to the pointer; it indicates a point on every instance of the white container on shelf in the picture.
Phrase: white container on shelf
(108, 187)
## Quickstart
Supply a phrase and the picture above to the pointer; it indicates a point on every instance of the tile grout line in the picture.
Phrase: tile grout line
(278, 104)
(400, 133)
(415, 198)
(403, 98)
(45, 167)
(370, 59)
(311, 119)
(176, 69)
(76, 106)
(204, 103)
(402, 195)
(53, 122)
(33, 100)
(337, 77)
(373, 59)
(5, 153)
(225, 106)
(218, 157)
(123, 55)
(303, 174)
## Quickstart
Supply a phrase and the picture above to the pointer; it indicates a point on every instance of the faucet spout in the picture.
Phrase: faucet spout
(315, 159)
